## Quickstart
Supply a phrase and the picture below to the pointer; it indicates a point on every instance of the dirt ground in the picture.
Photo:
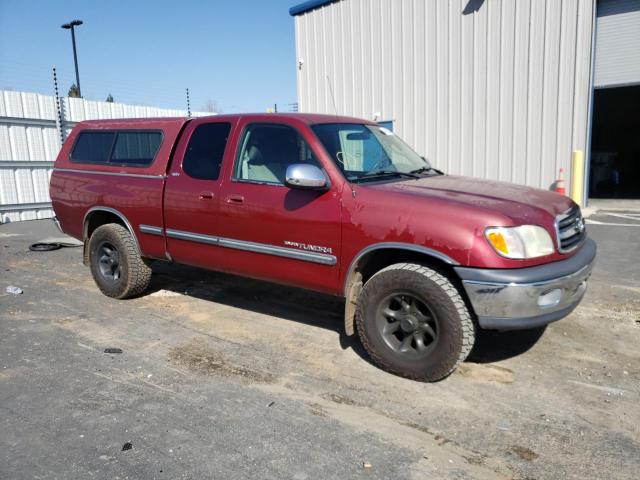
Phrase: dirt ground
(223, 377)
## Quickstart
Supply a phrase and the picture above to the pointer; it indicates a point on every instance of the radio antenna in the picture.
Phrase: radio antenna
(335, 109)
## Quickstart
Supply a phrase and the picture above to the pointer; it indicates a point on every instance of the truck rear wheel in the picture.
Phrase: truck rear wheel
(116, 264)
(413, 322)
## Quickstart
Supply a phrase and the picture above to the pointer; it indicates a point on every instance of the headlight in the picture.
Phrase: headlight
(526, 241)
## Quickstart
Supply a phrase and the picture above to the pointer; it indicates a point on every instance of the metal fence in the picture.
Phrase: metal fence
(32, 128)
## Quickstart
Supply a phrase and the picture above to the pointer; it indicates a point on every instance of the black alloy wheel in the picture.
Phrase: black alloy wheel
(109, 262)
(407, 325)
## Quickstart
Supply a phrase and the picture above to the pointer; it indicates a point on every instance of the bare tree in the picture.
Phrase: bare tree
(74, 92)
(211, 106)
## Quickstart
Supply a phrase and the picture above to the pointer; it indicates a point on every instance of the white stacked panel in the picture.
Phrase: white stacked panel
(29, 143)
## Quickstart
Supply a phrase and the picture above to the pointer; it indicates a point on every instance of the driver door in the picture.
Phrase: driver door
(271, 231)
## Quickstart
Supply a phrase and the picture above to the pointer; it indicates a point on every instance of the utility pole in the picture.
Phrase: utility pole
(71, 26)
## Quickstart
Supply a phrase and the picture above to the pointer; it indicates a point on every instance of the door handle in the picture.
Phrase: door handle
(206, 195)
(235, 199)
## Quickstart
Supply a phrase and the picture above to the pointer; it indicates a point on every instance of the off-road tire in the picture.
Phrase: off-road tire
(135, 274)
(456, 333)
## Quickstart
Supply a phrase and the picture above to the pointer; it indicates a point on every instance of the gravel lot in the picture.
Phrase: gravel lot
(222, 377)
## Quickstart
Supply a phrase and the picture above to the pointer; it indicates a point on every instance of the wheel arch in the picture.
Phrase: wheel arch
(378, 256)
(392, 250)
(99, 215)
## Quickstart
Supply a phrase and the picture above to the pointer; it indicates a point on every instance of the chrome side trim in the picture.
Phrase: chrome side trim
(151, 230)
(115, 212)
(115, 174)
(396, 246)
(322, 258)
(193, 237)
(313, 257)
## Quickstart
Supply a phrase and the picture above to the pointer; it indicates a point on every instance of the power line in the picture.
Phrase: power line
(36, 78)
(15, 76)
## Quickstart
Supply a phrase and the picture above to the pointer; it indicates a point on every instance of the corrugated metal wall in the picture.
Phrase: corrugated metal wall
(496, 88)
(29, 143)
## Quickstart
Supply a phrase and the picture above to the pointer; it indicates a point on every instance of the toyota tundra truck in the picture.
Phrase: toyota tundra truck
(331, 204)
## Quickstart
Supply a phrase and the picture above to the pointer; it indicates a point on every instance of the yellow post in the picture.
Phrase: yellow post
(577, 176)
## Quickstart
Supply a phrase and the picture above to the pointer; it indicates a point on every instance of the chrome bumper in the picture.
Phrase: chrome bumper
(533, 299)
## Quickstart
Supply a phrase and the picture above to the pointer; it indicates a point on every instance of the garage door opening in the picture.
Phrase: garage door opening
(615, 143)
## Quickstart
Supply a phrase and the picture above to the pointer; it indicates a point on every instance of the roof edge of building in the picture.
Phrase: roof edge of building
(308, 6)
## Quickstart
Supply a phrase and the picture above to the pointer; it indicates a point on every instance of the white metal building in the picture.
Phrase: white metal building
(501, 89)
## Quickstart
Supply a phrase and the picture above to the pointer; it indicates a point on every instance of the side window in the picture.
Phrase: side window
(122, 147)
(203, 158)
(136, 148)
(267, 150)
(92, 147)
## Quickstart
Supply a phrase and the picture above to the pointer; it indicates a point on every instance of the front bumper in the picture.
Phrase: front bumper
(512, 299)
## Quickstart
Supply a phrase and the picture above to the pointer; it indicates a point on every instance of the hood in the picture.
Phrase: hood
(519, 203)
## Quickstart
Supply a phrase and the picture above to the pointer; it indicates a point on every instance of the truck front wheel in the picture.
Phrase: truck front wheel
(413, 322)
(115, 262)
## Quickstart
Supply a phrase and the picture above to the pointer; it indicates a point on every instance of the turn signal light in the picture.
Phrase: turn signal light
(498, 241)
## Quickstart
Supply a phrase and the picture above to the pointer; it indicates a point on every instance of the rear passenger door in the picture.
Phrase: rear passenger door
(192, 192)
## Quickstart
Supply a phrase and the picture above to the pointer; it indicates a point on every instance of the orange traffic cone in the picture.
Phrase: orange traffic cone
(560, 183)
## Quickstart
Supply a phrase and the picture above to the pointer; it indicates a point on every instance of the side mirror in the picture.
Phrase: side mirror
(305, 177)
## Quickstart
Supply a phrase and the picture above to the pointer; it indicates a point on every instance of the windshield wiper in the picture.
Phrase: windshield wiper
(383, 173)
(426, 169)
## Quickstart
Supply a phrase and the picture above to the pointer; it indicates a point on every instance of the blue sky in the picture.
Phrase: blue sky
(238, 53)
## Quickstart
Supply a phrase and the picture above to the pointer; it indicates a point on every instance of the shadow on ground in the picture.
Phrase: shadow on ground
(493, 346)
(310, 308)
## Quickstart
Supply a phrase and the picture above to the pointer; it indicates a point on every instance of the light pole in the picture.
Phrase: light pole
(70, 26)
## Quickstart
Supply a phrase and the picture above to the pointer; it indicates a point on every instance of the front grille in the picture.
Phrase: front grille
(570, 228)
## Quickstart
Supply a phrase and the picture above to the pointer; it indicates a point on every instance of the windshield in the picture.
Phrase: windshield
(365, 152)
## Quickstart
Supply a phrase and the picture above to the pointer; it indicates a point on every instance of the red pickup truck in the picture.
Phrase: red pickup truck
(331, 204)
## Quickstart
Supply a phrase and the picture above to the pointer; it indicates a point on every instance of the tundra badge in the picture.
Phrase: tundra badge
(309, 248)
